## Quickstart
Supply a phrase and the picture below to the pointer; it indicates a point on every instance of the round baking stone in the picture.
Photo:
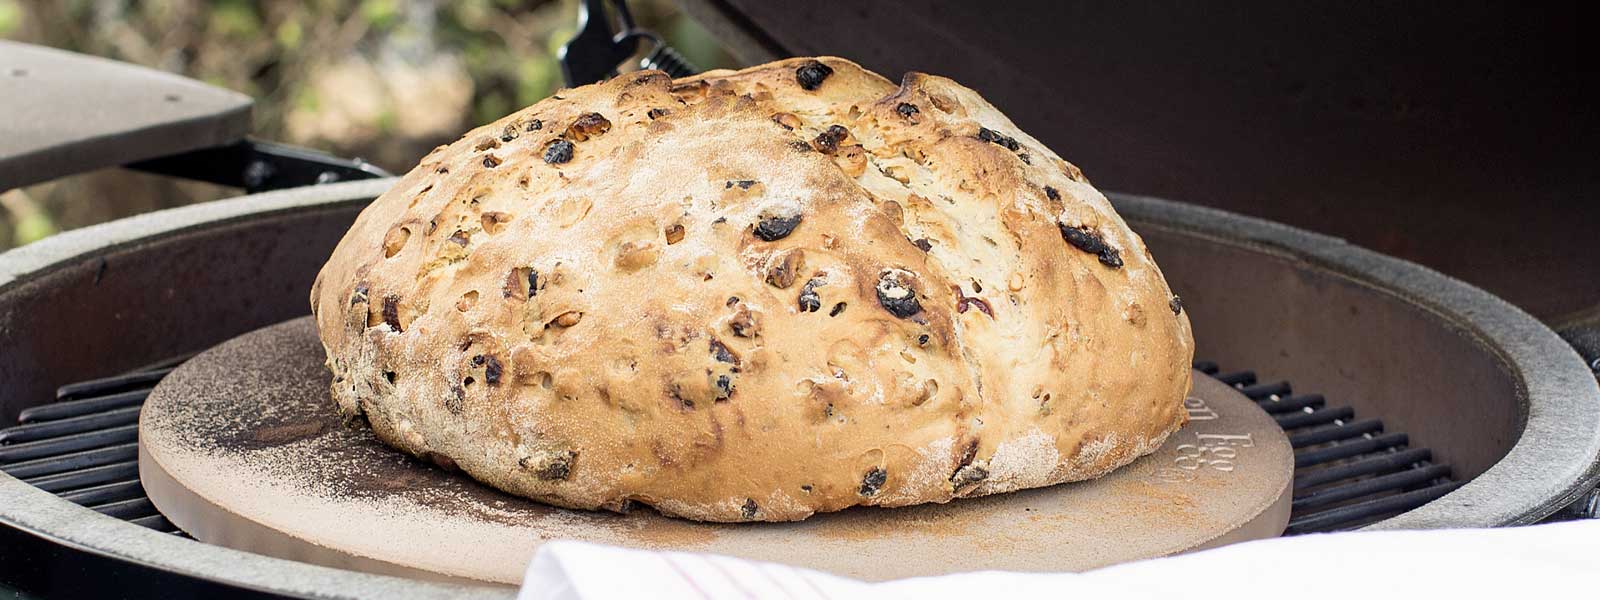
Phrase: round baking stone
(241, 447)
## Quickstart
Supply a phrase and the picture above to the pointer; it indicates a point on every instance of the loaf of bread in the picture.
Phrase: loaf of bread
(754, 296)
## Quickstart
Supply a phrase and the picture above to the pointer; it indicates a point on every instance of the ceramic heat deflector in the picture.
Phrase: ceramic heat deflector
(242, 447)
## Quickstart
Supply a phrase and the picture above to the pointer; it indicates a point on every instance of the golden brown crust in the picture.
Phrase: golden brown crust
(751, 300)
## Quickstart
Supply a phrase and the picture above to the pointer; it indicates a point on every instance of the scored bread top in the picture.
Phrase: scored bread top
(754, 295)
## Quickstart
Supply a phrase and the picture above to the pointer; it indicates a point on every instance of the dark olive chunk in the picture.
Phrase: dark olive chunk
(906, 109)
(995, 137)
(967, 302)
(827, 142)
(1088, 241)
(509, 133)
(811, 74)
(724, 386)
(809, 300)
(896, 294)
(772, 229)
(749, 510)
(873, 481)
(535, 125)
(558, 152)
(923, 244)
(722, 353)
(1176, 304)
(1051, 193)
(492, 370)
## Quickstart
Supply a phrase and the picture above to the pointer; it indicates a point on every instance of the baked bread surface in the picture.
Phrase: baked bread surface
(754, 295)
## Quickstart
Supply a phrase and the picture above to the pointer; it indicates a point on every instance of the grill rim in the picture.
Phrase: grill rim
(1559, 396)
(1557, 453)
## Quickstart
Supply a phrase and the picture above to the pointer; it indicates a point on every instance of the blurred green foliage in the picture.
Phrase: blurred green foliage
(385, 80)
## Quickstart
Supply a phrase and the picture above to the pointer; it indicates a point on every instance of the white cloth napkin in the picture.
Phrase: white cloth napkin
(1560, 560)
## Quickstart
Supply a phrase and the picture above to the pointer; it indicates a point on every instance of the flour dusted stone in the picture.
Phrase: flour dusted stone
(754, 295)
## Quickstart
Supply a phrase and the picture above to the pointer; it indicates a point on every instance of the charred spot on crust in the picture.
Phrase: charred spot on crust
(749, 510)
(557, 468)
(896, 294)
(772, 229)
(809, 300)
(558, 152)
(677, 396)
(744, 184)
(968, 453)
(906, 109)
(827, 142)
(1176, 304)
(995, 137)
(458, 395)
(1051, 193)
(811, 74)
(873, 481)
(1088, 241)
(968, 475)
(391, 312)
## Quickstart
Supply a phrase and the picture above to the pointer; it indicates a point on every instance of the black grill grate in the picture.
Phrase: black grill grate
(1349, 472)
(84, 446)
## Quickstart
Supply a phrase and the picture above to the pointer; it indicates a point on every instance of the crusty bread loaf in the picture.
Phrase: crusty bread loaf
(754, 295)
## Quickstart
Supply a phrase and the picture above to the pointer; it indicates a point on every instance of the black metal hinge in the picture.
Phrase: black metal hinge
(259, 166)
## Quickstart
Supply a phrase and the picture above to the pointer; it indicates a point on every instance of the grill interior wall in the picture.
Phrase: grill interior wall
(1371, 350)
(135, 305)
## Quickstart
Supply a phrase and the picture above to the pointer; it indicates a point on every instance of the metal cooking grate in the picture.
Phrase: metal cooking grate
(84, 447)
(1349, 472)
